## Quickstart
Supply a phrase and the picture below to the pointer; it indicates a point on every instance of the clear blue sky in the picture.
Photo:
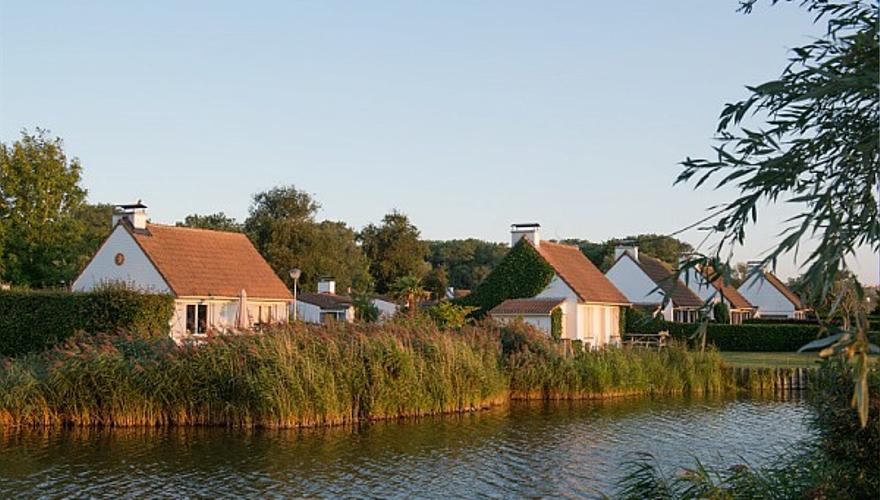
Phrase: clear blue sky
(465, 115)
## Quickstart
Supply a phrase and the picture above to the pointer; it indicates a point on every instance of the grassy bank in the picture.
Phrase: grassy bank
(311, 376)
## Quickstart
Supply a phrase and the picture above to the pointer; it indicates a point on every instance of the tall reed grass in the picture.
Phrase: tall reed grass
(310, 376)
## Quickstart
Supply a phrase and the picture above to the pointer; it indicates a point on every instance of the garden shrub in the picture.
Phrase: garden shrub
(32, 321)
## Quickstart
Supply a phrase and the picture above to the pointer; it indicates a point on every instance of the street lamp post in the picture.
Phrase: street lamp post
(294, 275)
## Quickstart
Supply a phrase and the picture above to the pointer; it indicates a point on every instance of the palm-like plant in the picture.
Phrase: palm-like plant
(409, 290)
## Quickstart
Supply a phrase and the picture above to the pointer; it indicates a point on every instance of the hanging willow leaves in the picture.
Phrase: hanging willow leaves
(808, 139)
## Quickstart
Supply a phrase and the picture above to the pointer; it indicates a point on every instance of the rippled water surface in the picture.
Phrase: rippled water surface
(526, 449)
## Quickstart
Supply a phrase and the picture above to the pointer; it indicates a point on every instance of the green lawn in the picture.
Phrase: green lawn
(770, 359)
(775, 359)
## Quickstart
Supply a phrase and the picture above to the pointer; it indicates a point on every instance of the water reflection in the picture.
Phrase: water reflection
(526, 449)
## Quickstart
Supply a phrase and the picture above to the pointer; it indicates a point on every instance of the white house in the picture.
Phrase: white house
(387, 307)
(324, 306)
(773, 299)
(536, 312)
(647, 282)
(589, 302)
(218, 279)
(717, 290)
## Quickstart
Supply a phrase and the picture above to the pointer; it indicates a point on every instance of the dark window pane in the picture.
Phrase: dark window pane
(190, 319)
(203, 318)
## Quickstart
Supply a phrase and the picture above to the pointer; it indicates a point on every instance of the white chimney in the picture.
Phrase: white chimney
(630, 247)
(529, 231)
(326, 285)
(134, 214)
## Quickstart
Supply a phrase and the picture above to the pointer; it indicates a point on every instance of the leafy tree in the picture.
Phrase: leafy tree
(813, 140)
(665, 248)
(218, 221)
(721, 312)
(39, 194)
(96, 224)
(467, 262)
(283, 228)
(436, 282)
(394, 250)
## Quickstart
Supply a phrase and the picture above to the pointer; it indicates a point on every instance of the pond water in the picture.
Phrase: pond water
(524, 449)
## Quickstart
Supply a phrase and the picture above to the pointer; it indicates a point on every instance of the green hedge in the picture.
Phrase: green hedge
(32, 321)
(523, 273)
(763, 337)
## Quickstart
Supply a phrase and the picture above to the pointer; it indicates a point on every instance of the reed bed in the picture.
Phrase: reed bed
(312, 376)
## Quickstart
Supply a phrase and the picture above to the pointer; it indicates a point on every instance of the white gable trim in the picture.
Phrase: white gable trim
(136, 270)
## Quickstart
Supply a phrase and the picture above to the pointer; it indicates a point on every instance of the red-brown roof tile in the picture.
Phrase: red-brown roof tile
(661, 274)
(576, 270)
(201, 262)
(784, 290)
(737, 301)
(527, 306)
(326, 301)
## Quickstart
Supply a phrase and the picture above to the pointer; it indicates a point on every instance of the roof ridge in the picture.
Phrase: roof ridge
(188, 228)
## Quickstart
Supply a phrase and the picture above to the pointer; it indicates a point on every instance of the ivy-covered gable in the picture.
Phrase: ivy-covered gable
(523, 273)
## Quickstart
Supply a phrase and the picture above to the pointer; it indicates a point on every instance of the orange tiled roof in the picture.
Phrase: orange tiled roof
(576, 270)
(201, 262)
(729, 292)
(784, 290)
(527, 306)
(661, 274)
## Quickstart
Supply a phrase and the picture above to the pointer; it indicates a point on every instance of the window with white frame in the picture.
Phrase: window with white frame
(196, 318)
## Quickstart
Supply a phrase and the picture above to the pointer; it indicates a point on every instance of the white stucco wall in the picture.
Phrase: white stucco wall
(559, 289)
(311, 313)
(635, 285)
(136, 270)
(596, 324)
(763, 295)
(387, 309)
(223, 314)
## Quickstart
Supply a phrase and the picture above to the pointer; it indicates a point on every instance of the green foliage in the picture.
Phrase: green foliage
(435, 283)
(394, 250)
(448, 315)
(522, 273)
(538, 371)
(290, 377)
(218, 221)
(721, 312)
(467, 262)
(556, 324)
(364, 309)
(813, 140)
(761, 337)
(306, 375)
(32, 321)
(40, 194)
(408, 289)
(282, 226)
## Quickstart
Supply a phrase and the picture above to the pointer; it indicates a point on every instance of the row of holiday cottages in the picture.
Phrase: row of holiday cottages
(220, 283)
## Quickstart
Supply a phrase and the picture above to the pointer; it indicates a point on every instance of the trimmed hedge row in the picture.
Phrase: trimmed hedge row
(32, 321)
(748, 337)
(754, 337)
